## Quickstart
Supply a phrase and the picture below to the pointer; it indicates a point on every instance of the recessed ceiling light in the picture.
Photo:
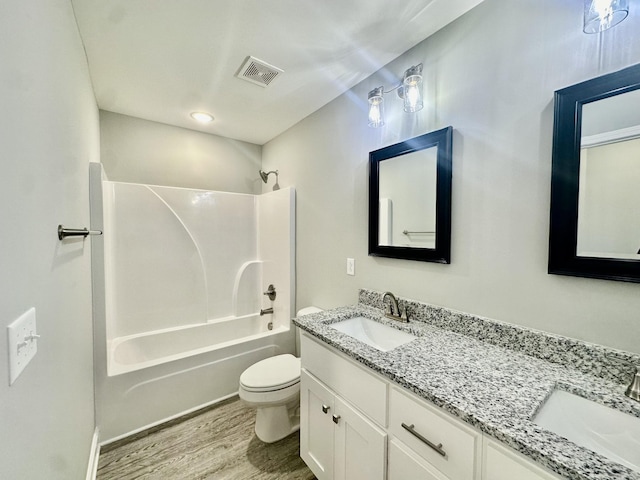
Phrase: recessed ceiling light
(202, 117)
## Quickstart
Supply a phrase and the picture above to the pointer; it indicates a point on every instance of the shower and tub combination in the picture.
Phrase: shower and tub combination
(191, 287)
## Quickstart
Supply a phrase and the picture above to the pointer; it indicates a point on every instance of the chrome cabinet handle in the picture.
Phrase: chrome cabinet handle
(412, 431)
(325, 408)
(336, 418)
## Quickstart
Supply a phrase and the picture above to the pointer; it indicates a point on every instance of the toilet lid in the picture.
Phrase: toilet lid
(272, 373)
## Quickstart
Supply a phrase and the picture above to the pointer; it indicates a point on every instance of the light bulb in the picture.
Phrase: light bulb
(376, 108)
(412, 85)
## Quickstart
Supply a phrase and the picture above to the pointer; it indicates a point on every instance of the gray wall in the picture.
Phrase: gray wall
(49, 133)
(491, 75)
(141, 151)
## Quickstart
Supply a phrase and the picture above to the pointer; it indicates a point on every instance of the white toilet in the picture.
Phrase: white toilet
(273, 387)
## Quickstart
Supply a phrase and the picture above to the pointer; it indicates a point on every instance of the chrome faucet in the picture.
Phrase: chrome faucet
(633, 391)
(266, 311)
(394, 309)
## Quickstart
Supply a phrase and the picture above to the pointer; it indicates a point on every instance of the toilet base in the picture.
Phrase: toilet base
(276, 423)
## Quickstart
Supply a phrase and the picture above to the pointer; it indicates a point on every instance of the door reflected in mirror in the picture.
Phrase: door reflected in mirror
(408, 200)
(609, 189)
(608, 209)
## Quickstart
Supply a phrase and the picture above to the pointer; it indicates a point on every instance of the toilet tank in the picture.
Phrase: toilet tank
(301, 312)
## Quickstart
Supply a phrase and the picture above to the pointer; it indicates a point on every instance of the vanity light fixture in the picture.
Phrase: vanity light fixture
(600, 15)
(410, 90)
(202, 117)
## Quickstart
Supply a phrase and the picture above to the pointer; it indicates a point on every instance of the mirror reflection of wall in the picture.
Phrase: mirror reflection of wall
(408, 200)
(609, 188)
(609, 202)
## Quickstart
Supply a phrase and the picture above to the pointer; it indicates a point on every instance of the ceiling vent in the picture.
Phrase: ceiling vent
(258, 72)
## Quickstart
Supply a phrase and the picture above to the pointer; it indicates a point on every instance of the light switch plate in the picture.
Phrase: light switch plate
(351, 266)
(23, 343)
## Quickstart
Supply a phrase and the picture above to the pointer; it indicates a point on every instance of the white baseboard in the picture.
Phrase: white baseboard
(94, 455)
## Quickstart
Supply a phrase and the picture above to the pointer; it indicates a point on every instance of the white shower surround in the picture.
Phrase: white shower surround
(185, 270)
(177, 320)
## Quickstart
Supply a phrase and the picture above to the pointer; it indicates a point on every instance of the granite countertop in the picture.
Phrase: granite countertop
(495, 389)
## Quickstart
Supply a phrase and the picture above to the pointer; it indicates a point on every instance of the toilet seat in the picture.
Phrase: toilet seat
(271, 374)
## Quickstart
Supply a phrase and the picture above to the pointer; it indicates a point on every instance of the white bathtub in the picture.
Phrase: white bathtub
(135, 352)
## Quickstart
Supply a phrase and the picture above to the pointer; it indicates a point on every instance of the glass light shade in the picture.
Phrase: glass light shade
(412, 86)
(376, 108)
(599, 15)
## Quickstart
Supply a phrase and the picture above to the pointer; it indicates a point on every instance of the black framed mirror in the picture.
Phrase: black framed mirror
(410, 199)
(595, 185)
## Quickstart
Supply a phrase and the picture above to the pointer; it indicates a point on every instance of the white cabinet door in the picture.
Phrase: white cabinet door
(360, 446)
(316, 426)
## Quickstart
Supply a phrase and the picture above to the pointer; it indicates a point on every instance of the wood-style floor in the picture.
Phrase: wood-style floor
(215, 443)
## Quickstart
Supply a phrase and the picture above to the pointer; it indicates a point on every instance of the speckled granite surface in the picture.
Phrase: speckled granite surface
(463, 364)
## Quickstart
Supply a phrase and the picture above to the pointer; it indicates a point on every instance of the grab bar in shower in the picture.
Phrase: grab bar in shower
(407, 232)
(75, 232)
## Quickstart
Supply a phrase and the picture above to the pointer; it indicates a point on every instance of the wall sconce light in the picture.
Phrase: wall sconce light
(600, 15)
(410, 90)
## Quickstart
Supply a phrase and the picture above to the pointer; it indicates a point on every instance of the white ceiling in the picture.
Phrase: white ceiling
(160, 60)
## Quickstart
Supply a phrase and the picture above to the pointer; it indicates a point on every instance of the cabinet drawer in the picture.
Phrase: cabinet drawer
(459, 443)
(404, 465)
(502, 463)
(361, 388)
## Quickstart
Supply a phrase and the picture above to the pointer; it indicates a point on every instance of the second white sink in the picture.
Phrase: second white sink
(611, 433)
(373, 333)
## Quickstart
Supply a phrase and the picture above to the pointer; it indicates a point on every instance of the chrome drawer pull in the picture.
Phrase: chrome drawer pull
(336, 418)
(325, 408)
(411, 430)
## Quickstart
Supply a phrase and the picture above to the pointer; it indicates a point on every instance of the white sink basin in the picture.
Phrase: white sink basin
(604, 430)
(373, 333)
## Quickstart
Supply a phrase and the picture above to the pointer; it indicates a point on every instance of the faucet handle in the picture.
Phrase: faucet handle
(405, 313)
(271, 292)
(633, 390)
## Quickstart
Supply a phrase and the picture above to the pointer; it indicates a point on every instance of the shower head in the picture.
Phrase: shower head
(265, 175)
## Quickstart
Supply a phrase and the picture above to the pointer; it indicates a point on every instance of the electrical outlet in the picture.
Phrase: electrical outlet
(351, 266)
(23, 343)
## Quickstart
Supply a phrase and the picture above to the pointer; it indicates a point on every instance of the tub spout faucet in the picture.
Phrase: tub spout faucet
(266, 311)
(394, 309)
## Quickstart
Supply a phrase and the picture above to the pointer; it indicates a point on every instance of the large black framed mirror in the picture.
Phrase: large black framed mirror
(410, 199)
(595, 185)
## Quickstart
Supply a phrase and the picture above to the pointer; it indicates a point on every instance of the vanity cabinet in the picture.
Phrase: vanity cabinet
(354, 424)
(336, 441)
